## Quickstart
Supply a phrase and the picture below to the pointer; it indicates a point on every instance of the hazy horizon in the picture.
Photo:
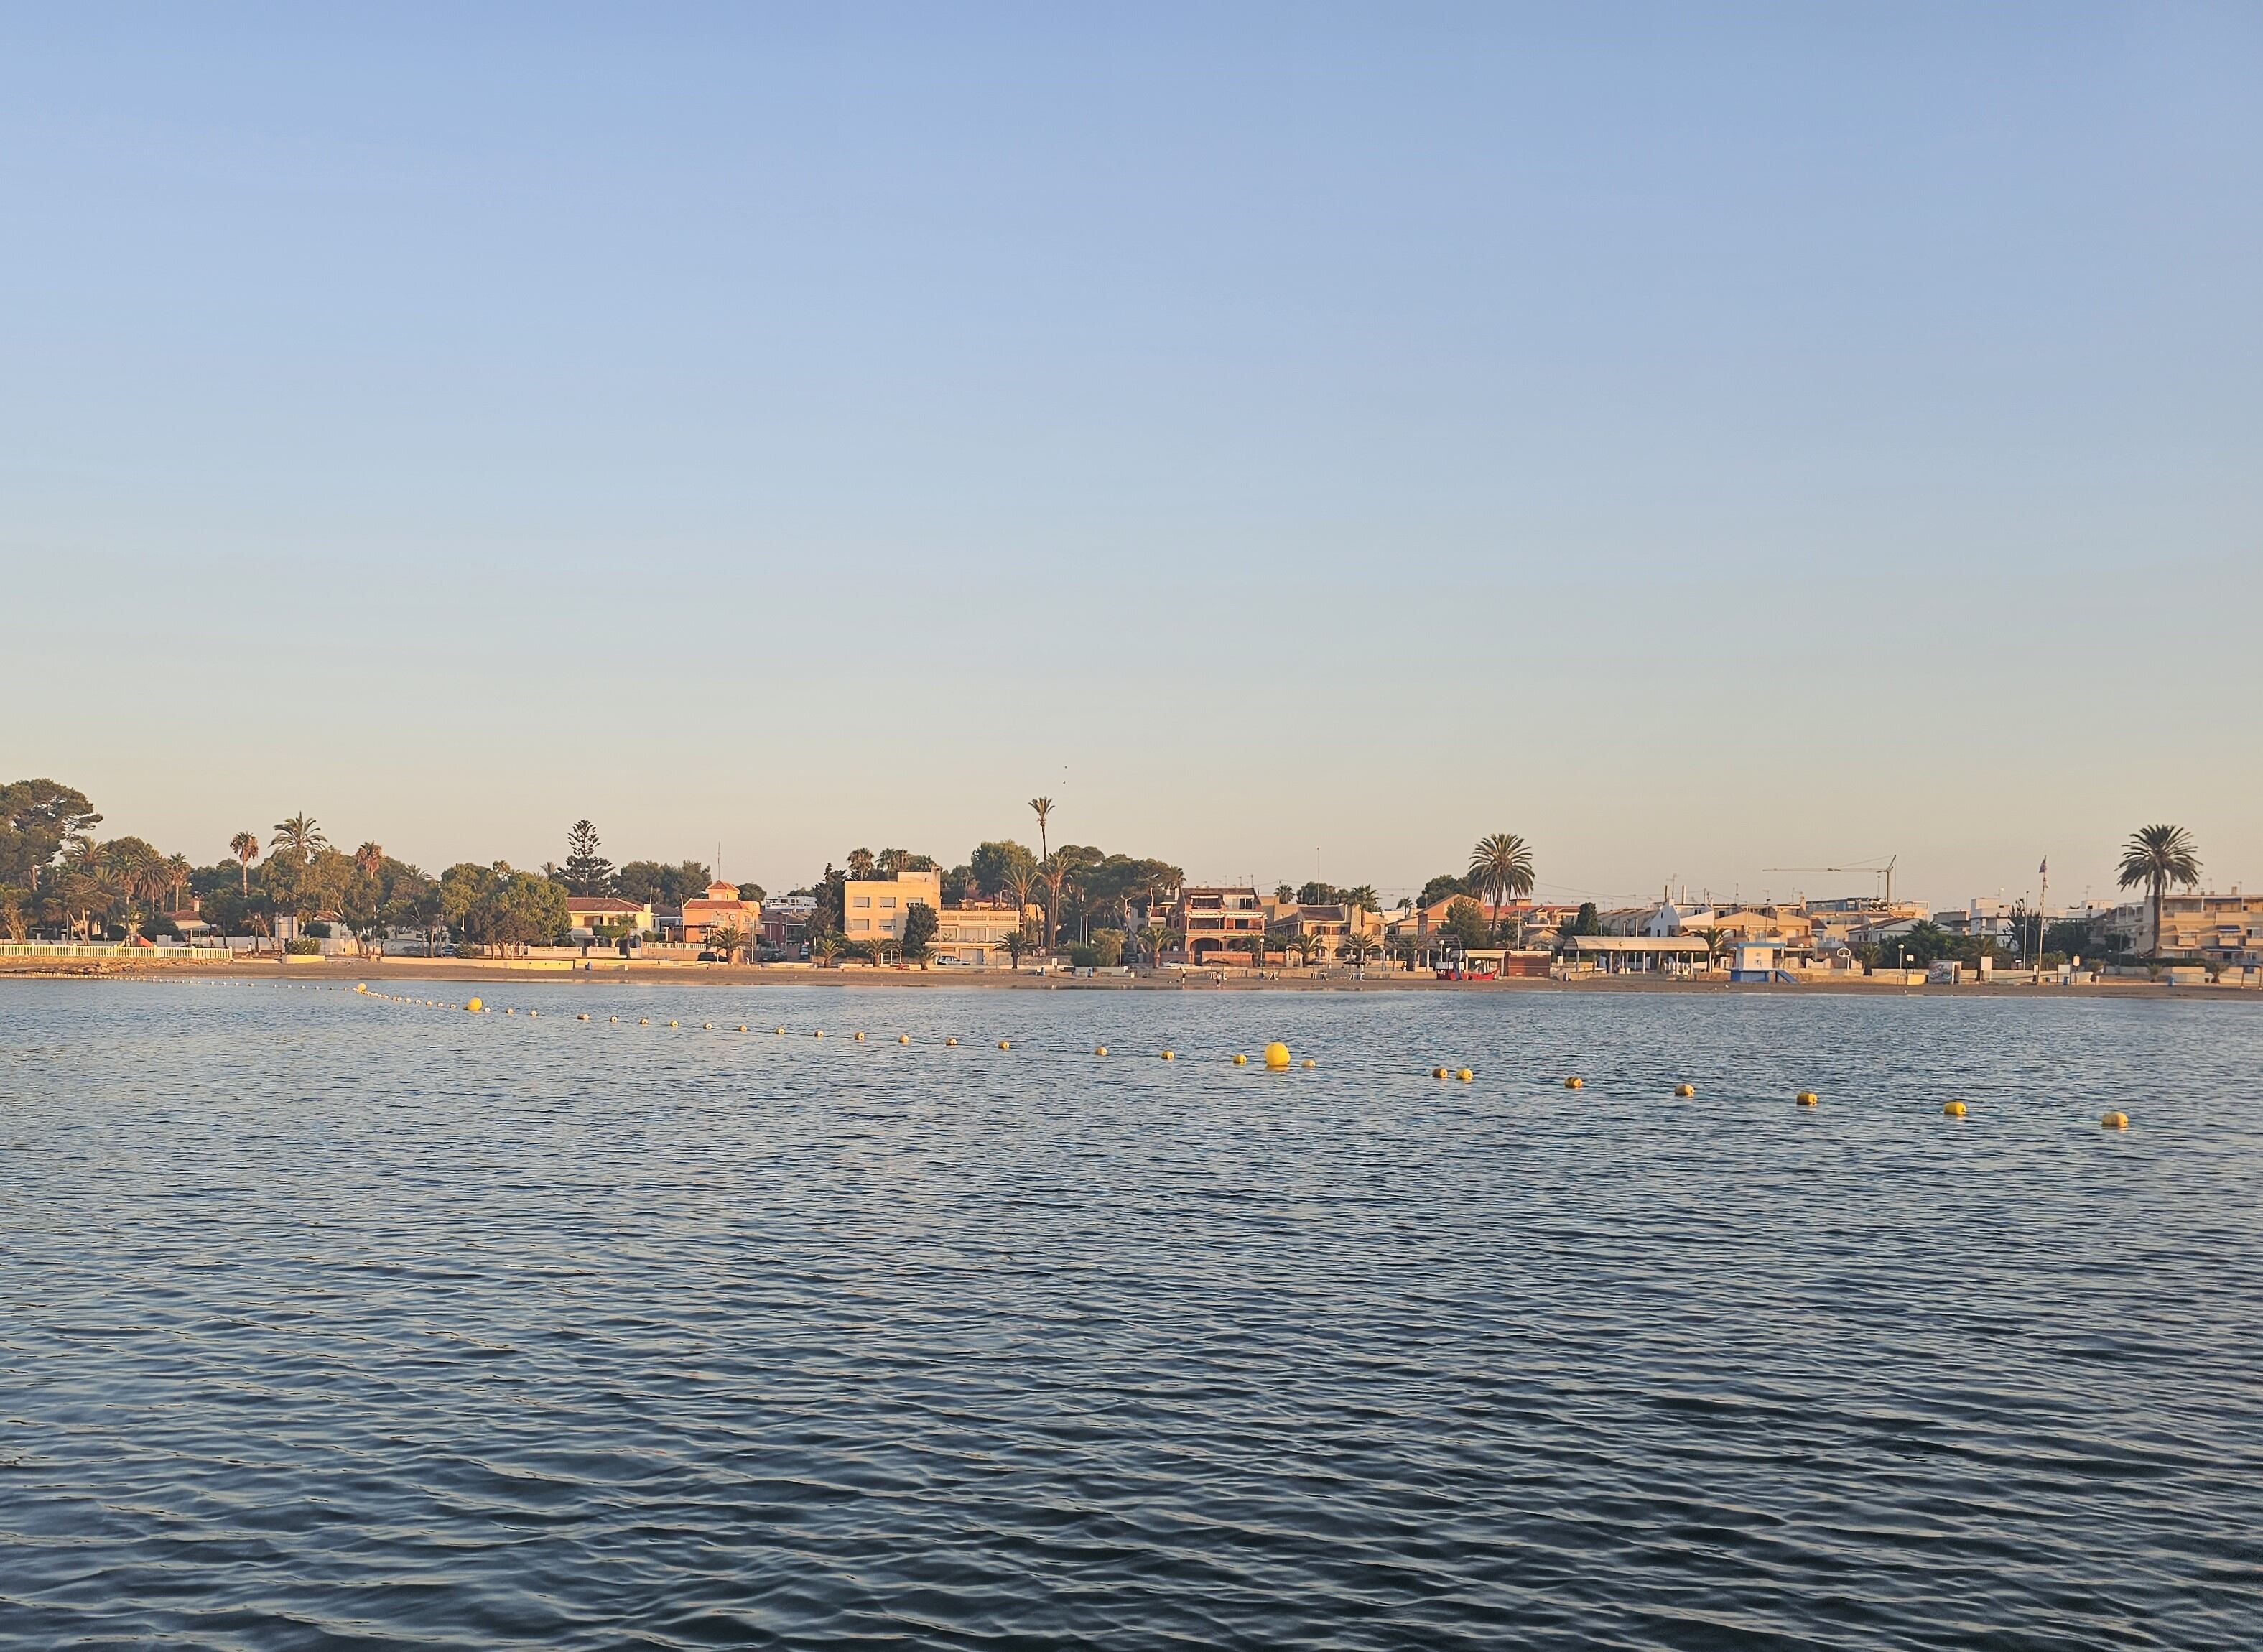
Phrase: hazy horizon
(1296, 441)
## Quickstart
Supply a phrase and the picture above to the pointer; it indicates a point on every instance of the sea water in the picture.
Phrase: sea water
(331, 1321)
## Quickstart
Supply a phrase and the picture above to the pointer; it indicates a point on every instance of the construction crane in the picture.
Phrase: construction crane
(1886, 872)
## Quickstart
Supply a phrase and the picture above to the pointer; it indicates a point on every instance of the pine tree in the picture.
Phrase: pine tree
(587, 872)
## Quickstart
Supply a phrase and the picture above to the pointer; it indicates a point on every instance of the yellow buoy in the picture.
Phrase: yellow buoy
(1807, 1098)
(1954, 1109)
(1575, 1084)
(1100, 1049)
(952, 1043)
(1277, 1056)
(507, 1010)
(742, 1026)
(778, 1032)
(1005, 1044)
(2115, 1121)
(1241, 1060)
(532, 1014)
(1168, 1056)
(1465, 1075)
(671, 1024)
(857, 1037)
(1685, 1090)
(903, 1038)
(474, 1005)
(583, 1017)
(361, 986)
(614, 1018)
(705, 1027)
(819, 1033)
(644, 1020)
(1308, 1062)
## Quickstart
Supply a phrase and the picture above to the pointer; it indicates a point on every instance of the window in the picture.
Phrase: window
(860, 923)
(887, 901)
(860, 900)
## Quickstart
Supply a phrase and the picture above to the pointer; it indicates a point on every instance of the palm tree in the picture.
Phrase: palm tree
(177, 878)
(1043, 808)
(1358, 946)
(300, 836)
(1016, 942)
(1501, 867)
(370, 859)
(860, 865)
(1158, 938)
(245, 847)
(1017, 880)
(821, 949)
(1054, 871)
(2153, 858)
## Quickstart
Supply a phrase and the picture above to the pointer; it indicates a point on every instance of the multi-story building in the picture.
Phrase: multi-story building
(2216, 929)
(785, 921)
(1217, 918)
(976, 936)
(873, 910)
(722, 909)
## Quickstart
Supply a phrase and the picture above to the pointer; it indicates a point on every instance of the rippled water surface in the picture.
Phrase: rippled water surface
(326, 1320)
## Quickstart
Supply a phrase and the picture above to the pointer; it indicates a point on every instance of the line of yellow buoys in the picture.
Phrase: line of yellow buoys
(1275, 1056)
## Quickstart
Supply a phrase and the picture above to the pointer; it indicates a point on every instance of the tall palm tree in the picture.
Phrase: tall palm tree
(2154, 857)
(177, 878)
(1054, 870)
(369, 860)
(1500, 868)
(301, 836)
(1043, 808)
(1017, 880)
(1158, 938)
(245, 847)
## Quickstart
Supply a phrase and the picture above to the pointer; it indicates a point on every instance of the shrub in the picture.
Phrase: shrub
(302, 946)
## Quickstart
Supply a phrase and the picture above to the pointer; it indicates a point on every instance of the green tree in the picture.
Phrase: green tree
(299, 838)
(750, 892)
(993, 864)
(1359, 947)
(2154, 857)
(1107, 947)
(862, 867)
(1158, 938)
(1465, 924)
(823, 948)
(727, 940)
(1501, 869)
(40, 821)
(1363, 897)
(1017, 942)
(1043, 808)
(652, 883)
(245, 847)
(919, 930)
(1439, 886)
(587, 872)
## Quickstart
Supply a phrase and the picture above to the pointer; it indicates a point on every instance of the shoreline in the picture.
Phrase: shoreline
(470, 972)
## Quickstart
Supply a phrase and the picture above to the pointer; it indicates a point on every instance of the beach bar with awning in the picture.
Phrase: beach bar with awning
(1642, 954)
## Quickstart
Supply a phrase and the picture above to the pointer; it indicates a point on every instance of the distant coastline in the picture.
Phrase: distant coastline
(481, 973)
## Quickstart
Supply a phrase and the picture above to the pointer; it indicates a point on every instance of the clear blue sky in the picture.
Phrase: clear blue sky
(1701, 440)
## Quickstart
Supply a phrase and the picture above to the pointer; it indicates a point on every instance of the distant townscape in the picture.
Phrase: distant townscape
(291, 891)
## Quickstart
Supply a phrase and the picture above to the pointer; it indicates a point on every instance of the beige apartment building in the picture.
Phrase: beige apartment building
(976, 936)
(873, 910)
(1218, 919)
(2221, 929)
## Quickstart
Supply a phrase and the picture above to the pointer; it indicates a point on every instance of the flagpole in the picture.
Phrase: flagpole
(2042, 914)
